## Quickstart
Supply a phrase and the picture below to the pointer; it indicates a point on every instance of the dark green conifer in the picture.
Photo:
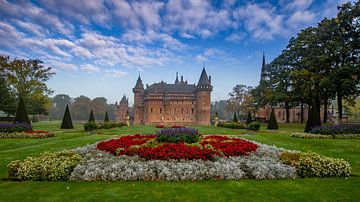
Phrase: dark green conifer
(66, 122)
(272, 122)
(235, 119)
(21, 115)
(249, 118)
(92, 117)
(106, 119)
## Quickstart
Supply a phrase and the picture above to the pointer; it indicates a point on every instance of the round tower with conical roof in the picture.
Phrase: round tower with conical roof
(203, 99)
(138, 101)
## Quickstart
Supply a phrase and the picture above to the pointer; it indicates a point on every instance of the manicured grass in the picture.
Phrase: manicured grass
(327, 189)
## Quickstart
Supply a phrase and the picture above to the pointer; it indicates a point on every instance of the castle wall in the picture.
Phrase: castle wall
(203, 108)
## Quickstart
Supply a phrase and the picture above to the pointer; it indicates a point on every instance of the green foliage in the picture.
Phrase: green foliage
(92, 117)
(48, 166)
(255, 126)
(90, 126)
(248, 119)
(272, 122)
(235, 119)
(66, 122)
(315, 165)
(7, 97)
(106, 119)
(21, 115)
(232, 125)
(18, 135)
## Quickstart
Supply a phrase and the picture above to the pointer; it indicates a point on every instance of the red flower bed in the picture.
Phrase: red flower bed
(159, 126)
(137, 145)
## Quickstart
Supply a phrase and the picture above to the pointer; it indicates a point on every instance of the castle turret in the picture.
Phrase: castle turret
(177, 79)
(122, 109)
(203, 97)
(138, 103)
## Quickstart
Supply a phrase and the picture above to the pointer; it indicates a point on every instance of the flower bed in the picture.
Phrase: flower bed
(339, 129)
(34, 134)
(14, 127)
(148, 148)
(319, 136)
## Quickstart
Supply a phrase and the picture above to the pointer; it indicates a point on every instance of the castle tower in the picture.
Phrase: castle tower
(122, 110)
(203, 99)
(138, 103)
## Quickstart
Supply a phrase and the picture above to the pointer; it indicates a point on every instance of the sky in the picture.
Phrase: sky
(98, 48)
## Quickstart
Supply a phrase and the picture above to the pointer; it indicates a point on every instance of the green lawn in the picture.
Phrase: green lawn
(314, 189)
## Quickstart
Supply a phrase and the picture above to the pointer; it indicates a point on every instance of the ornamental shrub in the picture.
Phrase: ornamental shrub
(56, 166)
(106, 119)
(91, 117)
(232, 125)
(235, 119)
(27, 134)
(255, 126)
(249, 118)
(290, 158)
(175, 135)
(66, 122)
(315, 165)
(272, 122)
(21, 115)
(90, 126)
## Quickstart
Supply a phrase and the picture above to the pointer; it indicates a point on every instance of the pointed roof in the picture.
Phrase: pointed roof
(124, 100)
(177, 79)
(263, 74)
(139, 83)
(204, 79)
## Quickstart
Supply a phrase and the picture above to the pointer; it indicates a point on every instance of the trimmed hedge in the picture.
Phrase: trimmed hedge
(232, 125)
(38, 135)
(56, 166)
(91, 126)
(311, 164)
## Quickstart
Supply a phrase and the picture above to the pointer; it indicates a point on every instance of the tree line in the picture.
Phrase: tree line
(318, 65)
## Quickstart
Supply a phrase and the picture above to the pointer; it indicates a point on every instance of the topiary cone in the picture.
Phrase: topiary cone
(235, 119)
(249, 118)
(91, 117)
(106, 119)
(272, 122)
(66, 122)
(21, 115)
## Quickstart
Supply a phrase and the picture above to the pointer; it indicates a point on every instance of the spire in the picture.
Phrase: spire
(182, 80)
(139, 84)
(124, 100)
(204, 80)
(263, 74)
(177, 79)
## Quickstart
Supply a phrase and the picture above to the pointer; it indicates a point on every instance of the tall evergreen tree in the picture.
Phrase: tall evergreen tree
(235, 119)
(272, 122)
(106, 119)
(249, 118)
(21, 115)
(66, 122)
(92, 117)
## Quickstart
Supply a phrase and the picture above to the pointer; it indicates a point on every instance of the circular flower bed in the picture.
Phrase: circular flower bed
(148, 148)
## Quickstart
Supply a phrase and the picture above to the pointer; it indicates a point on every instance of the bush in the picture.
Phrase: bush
(311, 136)
(340, 129)
(14, 127)
(175, 135)
(272, 122)
(290, 158)
(315, 165)
(66, 122)
(90, 126)
(255, 126)
(48, 166)
(232, 125)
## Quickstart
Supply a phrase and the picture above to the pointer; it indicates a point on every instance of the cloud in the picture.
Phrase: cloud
(62, 66)
(114, 73)
(300, 18)
(299, 5)
(234, 37)
(261, 22)
(209, 53)
(89, 68)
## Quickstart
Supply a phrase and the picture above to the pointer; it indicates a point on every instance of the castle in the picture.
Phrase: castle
(179, 103)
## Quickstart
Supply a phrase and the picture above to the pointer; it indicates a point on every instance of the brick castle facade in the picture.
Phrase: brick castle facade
(178, 103)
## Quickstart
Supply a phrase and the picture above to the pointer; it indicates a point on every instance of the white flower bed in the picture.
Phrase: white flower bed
(262, 164)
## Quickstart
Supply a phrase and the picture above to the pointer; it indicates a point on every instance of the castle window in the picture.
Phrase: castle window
(192, 111)
(182, 110)
(160, 110)
(204, 111)
(151, 110)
